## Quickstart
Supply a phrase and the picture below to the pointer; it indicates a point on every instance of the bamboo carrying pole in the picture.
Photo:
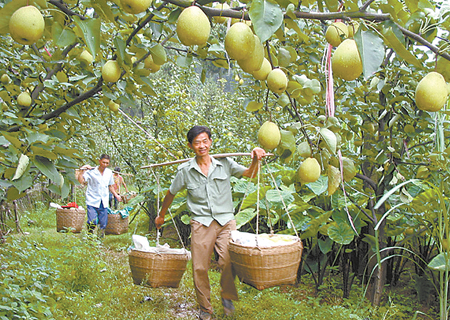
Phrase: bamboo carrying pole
(220, 155)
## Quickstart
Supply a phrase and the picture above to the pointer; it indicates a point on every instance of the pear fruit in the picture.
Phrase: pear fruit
(239, 41)
(269, 135)
(431, 92)
(150, 65)
(346, 61)
(135, 6)
(193, 27)
(111, 71)
(264, 71)
(221, 6)
(114, 107)
(24, 99)
(334, 33)
(5, 79)
(86, 57)
(277, 81)
(309, 170)
(255, 61)
(26, 25)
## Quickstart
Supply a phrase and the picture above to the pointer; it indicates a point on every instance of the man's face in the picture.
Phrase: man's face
(201, 144)
(103, 163)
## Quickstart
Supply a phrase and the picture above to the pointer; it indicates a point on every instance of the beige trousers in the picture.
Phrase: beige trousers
(203, 241)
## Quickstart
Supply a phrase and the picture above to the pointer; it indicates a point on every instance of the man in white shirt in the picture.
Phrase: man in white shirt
(100, 183)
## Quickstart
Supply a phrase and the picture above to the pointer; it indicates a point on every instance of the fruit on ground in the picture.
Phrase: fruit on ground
(193, 27)
(431, 92)
(277, 81)
(334, 33)
(24, 99)
(269, 135)
(135, 6)
(114, 107)
(86, 57)
(5, 79)
(255, 61)
(346, 61)
(221, 6)
(111, 71)
(26, 25)
(239, 41)
(264, 71)
(309, 170)
(150, 65)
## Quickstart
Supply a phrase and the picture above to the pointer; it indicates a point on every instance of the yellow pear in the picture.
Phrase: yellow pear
(26, 25)
(5, 79)
(111, 71)
(309, 170)
(135, 6)
(255, 61)
(221, 6)
(269, 135)
(239, 41)
(431, 92)
(277, 81)
(24, 99)
(264, 71)
(334, 33)
(114, 107)
(346, 61)
(150, 65)
(86, 57)
(193, 27)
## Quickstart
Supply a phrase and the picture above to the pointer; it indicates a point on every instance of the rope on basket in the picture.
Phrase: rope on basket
(170, 212)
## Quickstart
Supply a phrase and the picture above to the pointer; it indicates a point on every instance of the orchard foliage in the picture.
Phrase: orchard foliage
(367, 135)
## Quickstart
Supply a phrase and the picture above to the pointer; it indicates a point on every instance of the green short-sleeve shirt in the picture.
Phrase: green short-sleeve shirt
(208, 197)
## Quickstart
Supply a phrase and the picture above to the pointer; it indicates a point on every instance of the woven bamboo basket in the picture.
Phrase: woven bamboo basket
(157, 270)
(266, 267)
(70, 220)
(116, 224)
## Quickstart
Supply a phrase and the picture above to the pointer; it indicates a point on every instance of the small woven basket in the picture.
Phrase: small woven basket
(70, 219)
(266, 267)
(116, 224)
(157, 269)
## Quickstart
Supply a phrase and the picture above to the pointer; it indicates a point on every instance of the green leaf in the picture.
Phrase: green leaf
(103, 9)
(184, 62)
(21, 167)
(48, 169)
(90, 29)
(254, 106)
(62, 37)
(148, 88)
(320, 186)
(159, 54)
(315, 224)
(33, 137)
(391, 40)
(13, 194)
(330, 139)
(120, 45)
(325, 245)
(266, 18)
(25, 182)
(371, 50)
(245, 216)
(341, 233)
(441, 262)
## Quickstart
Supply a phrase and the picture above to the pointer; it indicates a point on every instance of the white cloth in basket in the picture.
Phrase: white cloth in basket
(141, 244)
(264, 240)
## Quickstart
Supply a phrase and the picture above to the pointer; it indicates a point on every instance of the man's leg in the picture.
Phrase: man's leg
(102, 218)
(202, 246)
(229, 291)
(91, 218)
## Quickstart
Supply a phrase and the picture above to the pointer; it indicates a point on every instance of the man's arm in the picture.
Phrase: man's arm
(165, 206)
(79, 173)
(123, 182)
(257, 155)
(113, 191)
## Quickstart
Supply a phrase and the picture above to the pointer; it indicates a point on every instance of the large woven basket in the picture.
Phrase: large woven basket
(157, 270)
(266, 267)
(116, 224)
(70, 219)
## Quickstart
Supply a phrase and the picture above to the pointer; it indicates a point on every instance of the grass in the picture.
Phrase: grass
(50, 275)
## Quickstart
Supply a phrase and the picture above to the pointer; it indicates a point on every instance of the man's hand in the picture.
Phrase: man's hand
(118, 197)
(258, 153)
(159, 221)
(86, 167)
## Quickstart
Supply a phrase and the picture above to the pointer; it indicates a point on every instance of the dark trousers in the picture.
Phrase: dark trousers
(97, 216)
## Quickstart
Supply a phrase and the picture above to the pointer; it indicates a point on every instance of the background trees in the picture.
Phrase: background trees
(376, 125)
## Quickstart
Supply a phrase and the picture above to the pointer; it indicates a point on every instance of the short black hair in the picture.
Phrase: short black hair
(195, 131)
(105, 156)
(117, 169)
